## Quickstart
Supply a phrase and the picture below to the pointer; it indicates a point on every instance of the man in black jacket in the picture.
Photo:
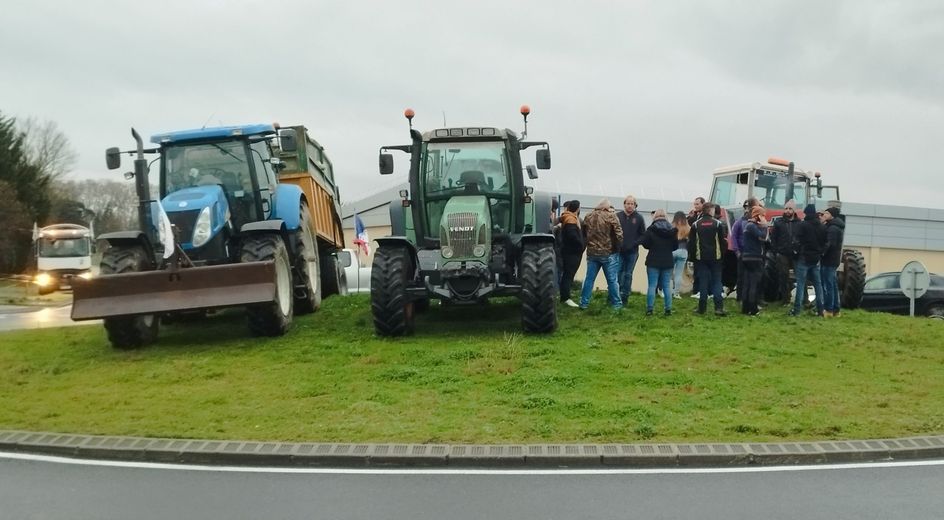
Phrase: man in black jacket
(706, 248)
(634, 226)
(832, 257)
(811, 237)
(783, 243)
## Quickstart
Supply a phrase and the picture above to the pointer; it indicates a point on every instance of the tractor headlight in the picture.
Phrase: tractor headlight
(447, 252)
(202, 229)
(43, 279)
(478, 250)
(87, 275)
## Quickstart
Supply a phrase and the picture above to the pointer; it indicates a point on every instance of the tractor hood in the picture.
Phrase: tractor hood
(465, 229)
(185, 209)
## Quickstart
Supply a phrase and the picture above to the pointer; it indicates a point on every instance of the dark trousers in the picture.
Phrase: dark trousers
(571, 263)
(753, 271)
(709, 279)
(784, 264)
(740, 278)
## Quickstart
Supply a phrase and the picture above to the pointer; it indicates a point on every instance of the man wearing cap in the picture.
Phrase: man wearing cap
(811, 237)
(832, 256)
(783, 242)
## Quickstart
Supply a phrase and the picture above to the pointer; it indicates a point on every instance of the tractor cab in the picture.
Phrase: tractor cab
(214, 181)
(773, 183)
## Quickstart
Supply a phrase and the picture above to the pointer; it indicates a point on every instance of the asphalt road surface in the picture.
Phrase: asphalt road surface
(51, 488)
(16, 318)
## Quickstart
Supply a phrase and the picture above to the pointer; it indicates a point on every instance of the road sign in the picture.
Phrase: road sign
(914, 281)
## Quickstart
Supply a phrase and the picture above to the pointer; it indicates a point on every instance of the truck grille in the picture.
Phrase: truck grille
(184, 220)
(462, 235)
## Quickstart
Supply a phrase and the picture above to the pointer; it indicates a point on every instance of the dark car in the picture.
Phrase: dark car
(883, 293)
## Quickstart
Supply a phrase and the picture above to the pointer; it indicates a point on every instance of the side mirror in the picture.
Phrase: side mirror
(543, 157)
(532, 171)
(345, 257)
(277, 164)
(386, 163)
(288, 140)
(113, 158)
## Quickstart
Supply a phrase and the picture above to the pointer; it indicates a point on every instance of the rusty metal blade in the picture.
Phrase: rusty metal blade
(151, 292)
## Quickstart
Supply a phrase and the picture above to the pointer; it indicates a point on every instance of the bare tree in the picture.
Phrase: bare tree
(47, 147)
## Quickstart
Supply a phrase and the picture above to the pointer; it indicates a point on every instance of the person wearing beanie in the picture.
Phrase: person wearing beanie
(572, 247)
(832, 256)
(752, 260)
(811, 238)
(783, 243)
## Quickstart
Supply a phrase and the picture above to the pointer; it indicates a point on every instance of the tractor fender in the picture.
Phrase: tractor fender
(397, 218)
(288, 203)
(542, 210)
(399, 242)
(537, 238)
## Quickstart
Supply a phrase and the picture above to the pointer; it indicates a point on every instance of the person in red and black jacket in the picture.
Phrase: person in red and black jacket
(706, 248)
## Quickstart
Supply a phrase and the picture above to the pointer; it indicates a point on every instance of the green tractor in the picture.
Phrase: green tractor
(468, 229)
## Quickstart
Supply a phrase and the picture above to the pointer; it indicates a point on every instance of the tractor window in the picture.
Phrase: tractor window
(225, 164)
(729, 190)
(472, 168)
(774, 189)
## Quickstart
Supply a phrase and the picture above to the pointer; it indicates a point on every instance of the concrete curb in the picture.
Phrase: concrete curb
(360, 455)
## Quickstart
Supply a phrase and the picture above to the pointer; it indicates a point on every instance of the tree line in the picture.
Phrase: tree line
(35, 159)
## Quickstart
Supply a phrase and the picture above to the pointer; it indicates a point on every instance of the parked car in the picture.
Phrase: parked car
(358, 277)
(883, 293)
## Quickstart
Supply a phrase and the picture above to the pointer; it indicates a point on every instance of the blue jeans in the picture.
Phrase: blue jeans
(627, 264)
(804, 270)
(610, 265)
(709, 279)
(660, 277)
(680, 256)
(830, 288)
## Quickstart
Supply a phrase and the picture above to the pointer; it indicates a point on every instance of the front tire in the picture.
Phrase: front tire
(128, 332)
(274, 318)
(852, 278)
(538, 288)
(391, 307)
(332, 276)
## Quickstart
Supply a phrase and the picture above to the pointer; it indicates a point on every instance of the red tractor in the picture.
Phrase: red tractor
(773, 183)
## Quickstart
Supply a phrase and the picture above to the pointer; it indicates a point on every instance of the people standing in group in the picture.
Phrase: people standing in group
(706, 246)
(633, 225)
(811, 240)
(604, 239)
(835, 227)
(571, 247)
(680, 255)
(661, 239)
(783, 243)
(752, 260)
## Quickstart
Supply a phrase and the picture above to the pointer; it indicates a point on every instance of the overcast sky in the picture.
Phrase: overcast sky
(634, 97)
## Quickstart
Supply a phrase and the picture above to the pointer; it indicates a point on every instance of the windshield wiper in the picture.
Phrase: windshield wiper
(227, 152)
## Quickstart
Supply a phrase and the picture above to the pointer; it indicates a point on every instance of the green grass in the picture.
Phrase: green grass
(469, 375)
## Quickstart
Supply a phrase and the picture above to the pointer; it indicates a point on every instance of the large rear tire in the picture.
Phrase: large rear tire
(392, 309)
(852, 278)
(273, 318)
(307, 266)
(771, 281)
(538, 288)
(128, 332)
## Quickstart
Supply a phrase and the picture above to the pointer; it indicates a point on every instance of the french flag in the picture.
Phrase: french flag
(361, 239)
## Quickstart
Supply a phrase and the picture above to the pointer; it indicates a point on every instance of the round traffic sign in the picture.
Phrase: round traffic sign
(914, 279)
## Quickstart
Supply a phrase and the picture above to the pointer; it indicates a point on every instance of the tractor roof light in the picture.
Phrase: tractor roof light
(778, 161)
(408, 114)
(525, 110)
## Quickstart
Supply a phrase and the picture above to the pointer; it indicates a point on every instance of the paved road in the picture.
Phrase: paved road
(15, 318)
(42, 487)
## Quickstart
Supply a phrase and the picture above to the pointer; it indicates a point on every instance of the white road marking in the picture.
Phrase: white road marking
(458, 471)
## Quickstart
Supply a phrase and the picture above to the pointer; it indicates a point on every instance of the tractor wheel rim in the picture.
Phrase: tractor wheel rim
(283, 286)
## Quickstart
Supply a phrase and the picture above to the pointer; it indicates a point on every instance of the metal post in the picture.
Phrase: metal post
(914, 288)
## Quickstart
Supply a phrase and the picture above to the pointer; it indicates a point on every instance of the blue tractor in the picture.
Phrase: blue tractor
(225, 233)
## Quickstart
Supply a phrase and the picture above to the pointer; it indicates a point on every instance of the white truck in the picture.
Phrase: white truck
(63, 251)
(358, 277)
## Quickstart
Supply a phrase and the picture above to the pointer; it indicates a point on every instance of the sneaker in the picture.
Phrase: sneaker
(696, 295)
(648, 312)
(793, 313)
(720, 313)
(837, 314)
(677, 296)
(700, 312)
(668, 312)
(754, 314)
(571, 303)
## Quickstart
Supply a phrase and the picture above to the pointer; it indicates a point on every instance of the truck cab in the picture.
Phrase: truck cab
(63, 251)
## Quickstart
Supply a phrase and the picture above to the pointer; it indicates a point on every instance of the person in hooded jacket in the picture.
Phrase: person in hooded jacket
(572, 247)
(811, 239)
(752, 260)
(661, 239)
(832, 257)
